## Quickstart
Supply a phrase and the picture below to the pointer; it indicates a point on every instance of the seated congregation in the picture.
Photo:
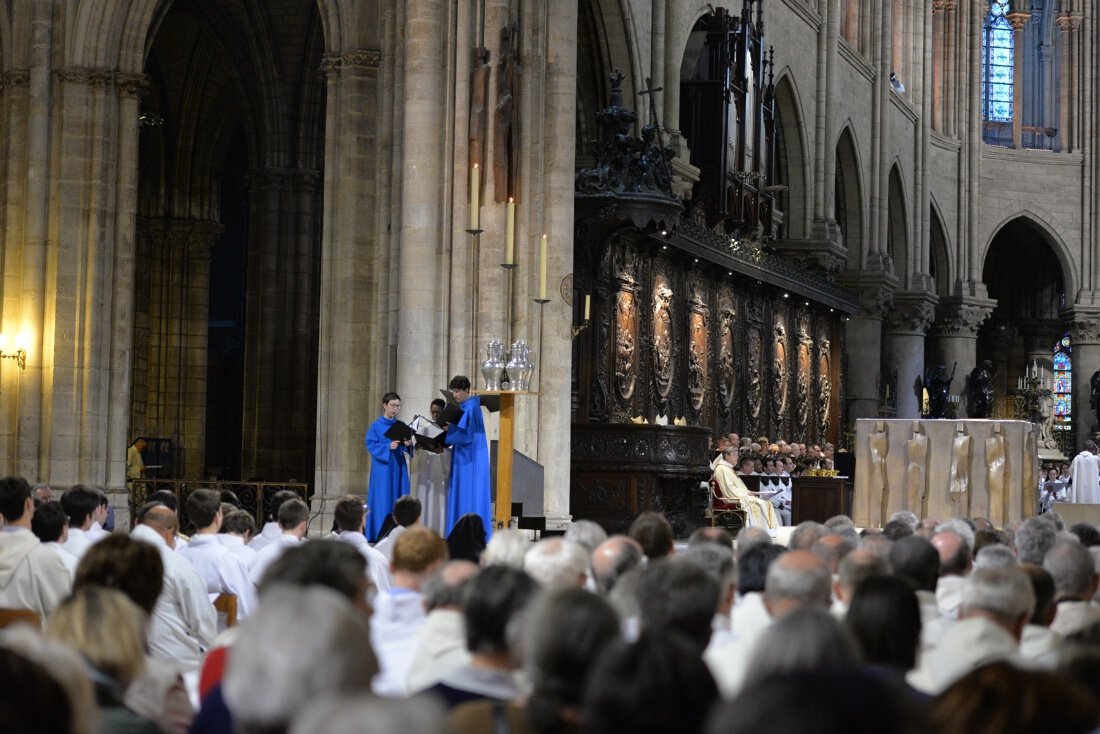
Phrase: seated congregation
(920, 626)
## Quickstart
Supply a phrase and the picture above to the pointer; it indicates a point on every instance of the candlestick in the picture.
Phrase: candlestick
(510, 234)
(542, 270)
(587, 306)
(475, 200)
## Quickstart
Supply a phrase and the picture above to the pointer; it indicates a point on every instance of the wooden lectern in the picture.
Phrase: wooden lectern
(505, 442)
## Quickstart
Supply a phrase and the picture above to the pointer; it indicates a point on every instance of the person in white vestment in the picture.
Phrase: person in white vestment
(97, 532)
(271, 532)
(238, 527)
(351, 522)
(759, 512)
(399, 613)
(293, 521)
(433, 472)
(80, 504)
(223, 572)
(184, 624)
(1071, 566)
(1085, 476)
(441, 642)
(49, 525)
(406, 513)
(31, 576)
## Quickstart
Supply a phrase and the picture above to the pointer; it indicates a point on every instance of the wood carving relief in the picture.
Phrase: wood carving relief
(755, 379)
(824, 387)
(726, 362)
(626, 321)
(803, 379)
(698, 348)
(780, 376)
(662, 337)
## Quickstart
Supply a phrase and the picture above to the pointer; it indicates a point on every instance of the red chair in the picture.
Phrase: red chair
(719, 507)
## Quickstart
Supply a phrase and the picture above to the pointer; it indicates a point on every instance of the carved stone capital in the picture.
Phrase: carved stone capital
(875, 288)
(74, 75)
(961, 317)
(911, 313)
(15, 78)
(949, 5)
(938, 6)
(330, 64)
(259, 179)
(1083, 327)
(1068, 22)
(1018, 19)
(100, 78)
(367, 58)
(131, 85)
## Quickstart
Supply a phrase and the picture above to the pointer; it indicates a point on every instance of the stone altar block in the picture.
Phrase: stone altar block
(945, 469)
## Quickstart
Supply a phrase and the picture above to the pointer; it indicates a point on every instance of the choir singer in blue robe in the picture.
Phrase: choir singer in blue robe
(469, 488)
(389, 473)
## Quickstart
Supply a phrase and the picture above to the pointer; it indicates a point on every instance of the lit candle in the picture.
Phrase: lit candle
(510, 230)
(587, 306)
(542, 269)
(475, 196)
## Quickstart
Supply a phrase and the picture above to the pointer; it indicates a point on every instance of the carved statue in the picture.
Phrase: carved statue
(779, 400)
(662, 339)
(506, 120)
(1046, 420)
(754, 373)
(938, 385)
(981, 390)
(479, 93)
(1094, 398)
(725, 358)
(624, 362)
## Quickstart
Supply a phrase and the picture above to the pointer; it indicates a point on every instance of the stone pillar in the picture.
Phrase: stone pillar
(1068, 25)
(863, 343)
(1018, 19)
(939, 54)
(904, 329)
(951, 55)
(1084, 331)
(954, 341)
(1039, 338)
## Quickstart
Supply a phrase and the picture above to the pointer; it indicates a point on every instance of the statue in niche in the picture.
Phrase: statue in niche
(781, 376)
(506, 120)
(695, 372)
(938, 385)
(662, 338)
(754, 373)
(624, 345)
(725, 356)
(1094, 394)
(981, 390)
(825, 390)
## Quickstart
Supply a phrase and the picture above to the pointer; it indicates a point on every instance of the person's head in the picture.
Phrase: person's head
(1065, 470)
(31, 698)
(1042, 584)
(48, 522)
(165, 497)
(748, 465)
(678, 597)
(807, 638)
(276, 501)
(961, 526)
(130, 566)
(806, 534)
(467, 538)
(1087, 534)
(459, 387)
(140, 443)
(749, 538)
(612, 558)
(954, 553)
(204, 507)
(406, 510)
(556, 562)
(507, 547)
(884, 618)
(336, 566)
(228, 496)
(1034, 537)
(298, 644)
(653, 533)
(106, 628)
(658, 684)
(915, 560)
(1001, 697)
(80, 504)
(161, 520)
(1052, 473)
(713, 536)
(587, 533)
(1002, 596)
(496, 596)
(985, 537)
(294, 517)
(391, 405)
(753, 565)
(241, 523)
(896, 529)
(436, 409)
(416, 555)
(996, 556)
(565, 633)
(41, 493)
(907, 518)
(832, 549)
(1074, 572)
(717, 560)
(797, 578)
(447, 587)
(348, 514)
(857, 566)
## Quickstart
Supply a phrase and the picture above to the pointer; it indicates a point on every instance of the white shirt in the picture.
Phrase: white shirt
(385, 546)
(235, 545)
(70, 561)
(96, 532)
(398, 616)
(78, 543)
(270, 533)
(31, 576)
(1074, 616)
(270, 554)
(967, 646)
(223, 572)
(440, 649)
(1086, 478)
(378, 567)
(184, 623)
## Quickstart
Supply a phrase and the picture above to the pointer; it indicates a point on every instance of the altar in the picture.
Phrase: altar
(944, 469)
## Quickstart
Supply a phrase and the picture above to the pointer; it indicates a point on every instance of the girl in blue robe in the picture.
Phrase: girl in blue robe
(389, 473)
(469, 488)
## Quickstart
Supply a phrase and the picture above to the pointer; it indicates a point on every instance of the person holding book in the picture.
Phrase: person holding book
(433, 467)
(469, 486)
(388, 441)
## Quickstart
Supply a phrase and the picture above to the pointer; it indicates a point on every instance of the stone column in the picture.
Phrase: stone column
(1018, 19)
(1067, 25)
(937, 94)
(955, 341)
(863, 343)
(1084, 331)
(904, 329)
(951, 66)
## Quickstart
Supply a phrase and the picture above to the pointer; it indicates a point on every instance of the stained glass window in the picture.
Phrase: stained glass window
(1063, 383)
(997, 50)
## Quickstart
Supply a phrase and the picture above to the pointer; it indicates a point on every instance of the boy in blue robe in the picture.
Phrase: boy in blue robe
(389, 473)
(469, 487)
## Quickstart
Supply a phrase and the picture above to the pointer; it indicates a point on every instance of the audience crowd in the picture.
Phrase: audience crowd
(924, 625)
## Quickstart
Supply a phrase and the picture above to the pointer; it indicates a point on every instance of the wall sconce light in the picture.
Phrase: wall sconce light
(19, 355)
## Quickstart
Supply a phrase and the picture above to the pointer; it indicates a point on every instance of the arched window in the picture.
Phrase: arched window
(997, 60)
(1063, 383)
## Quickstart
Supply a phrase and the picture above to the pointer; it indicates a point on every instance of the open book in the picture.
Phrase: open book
(428, 435)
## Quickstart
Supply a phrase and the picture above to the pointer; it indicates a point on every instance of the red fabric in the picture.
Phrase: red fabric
(213, 668)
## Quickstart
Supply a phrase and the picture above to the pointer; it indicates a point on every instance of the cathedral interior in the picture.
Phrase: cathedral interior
(232, 225)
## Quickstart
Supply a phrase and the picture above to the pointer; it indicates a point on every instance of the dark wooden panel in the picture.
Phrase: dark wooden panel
(819, 498)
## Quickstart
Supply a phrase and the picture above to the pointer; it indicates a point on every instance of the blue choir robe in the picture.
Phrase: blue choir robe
(469, 487)
(389, 475)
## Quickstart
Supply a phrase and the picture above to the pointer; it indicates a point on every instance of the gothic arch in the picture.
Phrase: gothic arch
(848, 205)
(897, 234)
(941, 260)
(604, 44)
(1070, 277)
(793, 165)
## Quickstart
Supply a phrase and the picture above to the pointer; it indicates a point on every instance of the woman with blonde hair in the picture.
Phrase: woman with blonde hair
(108, 630)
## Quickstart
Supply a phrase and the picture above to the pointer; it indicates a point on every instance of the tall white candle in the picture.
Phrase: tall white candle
(510, 234)
(475, 197)
(542, 269)
(587, 306)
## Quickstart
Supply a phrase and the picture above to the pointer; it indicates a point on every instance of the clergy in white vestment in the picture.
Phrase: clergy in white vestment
(406, 513)
(223, 572)
(238, 527)
(399, 613)
(80, 504)
(184, 623)
(31, 576)
(433, 474)
(1085, 473)
(50, 525)
(441, 642)
(759, 512)
(271, 532)
(293, 521)
(351, 523)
